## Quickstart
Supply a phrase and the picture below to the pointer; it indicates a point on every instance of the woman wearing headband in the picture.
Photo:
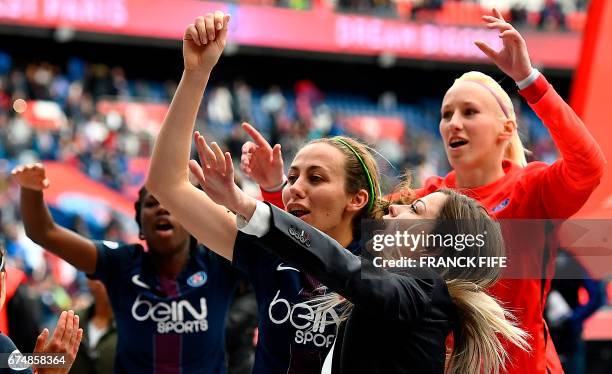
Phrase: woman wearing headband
(390, 321)
(327, 188)
(479, 130)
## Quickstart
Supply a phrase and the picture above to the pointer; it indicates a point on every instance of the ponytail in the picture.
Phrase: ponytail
(515, 151)
(477, 347)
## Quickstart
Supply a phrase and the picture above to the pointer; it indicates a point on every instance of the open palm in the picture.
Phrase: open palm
(513, 58)
(216, 174)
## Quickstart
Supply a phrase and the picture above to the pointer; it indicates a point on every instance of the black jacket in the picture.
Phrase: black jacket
(400, 320)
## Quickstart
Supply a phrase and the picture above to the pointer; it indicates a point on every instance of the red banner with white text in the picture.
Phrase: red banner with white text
(316, 30)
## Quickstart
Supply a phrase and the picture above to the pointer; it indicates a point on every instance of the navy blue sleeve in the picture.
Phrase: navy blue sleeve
(597, 298)
(7, 347)
(112, 258)
(225, 268)
(246, 253)
(402, 297)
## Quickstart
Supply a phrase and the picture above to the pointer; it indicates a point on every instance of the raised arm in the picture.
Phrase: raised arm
(576, 174)
(79, 251)
(374, 289)
(168, 178)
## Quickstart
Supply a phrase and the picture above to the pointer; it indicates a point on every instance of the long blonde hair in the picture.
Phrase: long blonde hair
(515, 151)
(482, 319)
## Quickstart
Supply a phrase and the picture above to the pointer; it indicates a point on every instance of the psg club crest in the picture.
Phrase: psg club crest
(501, 205)
(198, 279)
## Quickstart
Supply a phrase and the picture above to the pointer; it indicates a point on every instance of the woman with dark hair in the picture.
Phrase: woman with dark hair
(334, 193)
(479, 128)
(396, 320)
(169, 300)
(332, 183)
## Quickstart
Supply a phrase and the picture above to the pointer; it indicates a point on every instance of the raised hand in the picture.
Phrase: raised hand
(260, 162)
(204, 40)
(513, 58)
(31, 176)
(66, 339)
(216, 176)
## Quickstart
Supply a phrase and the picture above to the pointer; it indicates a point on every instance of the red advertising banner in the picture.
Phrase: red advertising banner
(376, 128)
(590, 98)
(320, 30)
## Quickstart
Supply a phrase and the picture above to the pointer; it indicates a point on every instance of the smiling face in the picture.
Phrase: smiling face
(316, 189)
(164, 235)
(471, 126)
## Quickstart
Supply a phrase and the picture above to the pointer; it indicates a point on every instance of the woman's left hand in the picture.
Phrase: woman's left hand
(66, 340)
(216, 176)
(513, 58)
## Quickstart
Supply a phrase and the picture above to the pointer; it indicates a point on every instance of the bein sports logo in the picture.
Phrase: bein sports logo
(179, 317)
(310, 324)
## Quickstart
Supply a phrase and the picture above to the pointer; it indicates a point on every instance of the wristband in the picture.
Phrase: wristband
(535, 73)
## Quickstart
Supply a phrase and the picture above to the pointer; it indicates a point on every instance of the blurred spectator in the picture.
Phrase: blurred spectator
(240, 330)
(97, 352)
(419, 5)
(307, 96)
(273, 103)
(19, 318)
(219, 107)
(242, 102)
(114, 231)
(566, 312)
(551, 16)
(518, 15)
(387, 101)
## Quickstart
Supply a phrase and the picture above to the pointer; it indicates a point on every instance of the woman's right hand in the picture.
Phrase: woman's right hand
(513, 58)
(31, 176)
(260, 162)
(204, 41)
(216, 177)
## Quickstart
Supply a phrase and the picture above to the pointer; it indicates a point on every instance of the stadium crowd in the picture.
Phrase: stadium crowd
(102, 144)
(542, 14)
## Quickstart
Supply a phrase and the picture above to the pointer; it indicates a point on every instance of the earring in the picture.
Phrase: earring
(141, 236)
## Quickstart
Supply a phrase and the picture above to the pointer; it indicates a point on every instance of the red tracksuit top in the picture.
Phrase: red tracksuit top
(538, 191)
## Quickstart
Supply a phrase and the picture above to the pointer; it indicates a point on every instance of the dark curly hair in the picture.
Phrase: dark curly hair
(142, 193)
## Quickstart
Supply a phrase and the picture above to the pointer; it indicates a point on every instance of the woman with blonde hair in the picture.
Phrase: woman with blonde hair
(331, 184)
(480, 133)
(328, 189)
(389, 320)
(479, 130)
